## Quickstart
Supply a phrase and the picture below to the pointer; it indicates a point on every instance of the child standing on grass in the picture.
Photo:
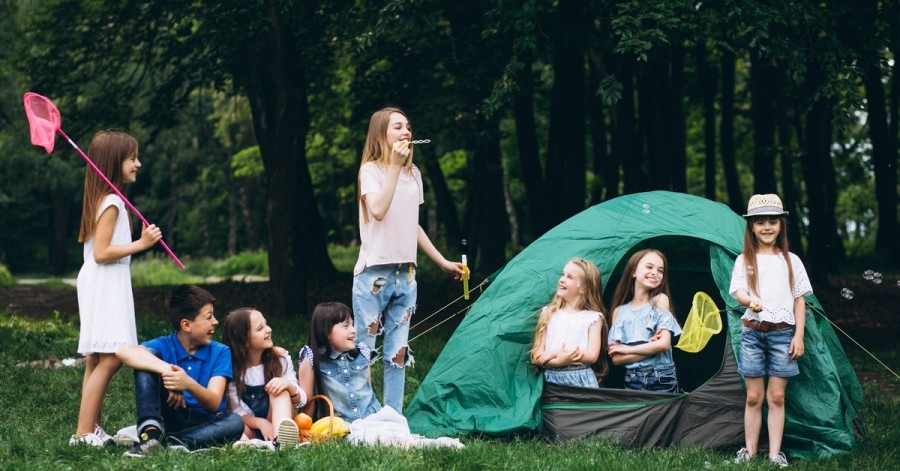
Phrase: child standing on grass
(384, 278)
(570, 332)
(105, 300)
(772, 282)
(643, 325)
(336, 365)
(265, 390)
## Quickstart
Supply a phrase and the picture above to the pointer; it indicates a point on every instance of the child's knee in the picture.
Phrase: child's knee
(775, 398)
(754, 399)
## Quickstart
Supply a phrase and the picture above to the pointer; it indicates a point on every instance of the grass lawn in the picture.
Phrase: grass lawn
(40, 408)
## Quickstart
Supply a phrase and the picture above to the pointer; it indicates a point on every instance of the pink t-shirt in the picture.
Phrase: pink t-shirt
(394, 238)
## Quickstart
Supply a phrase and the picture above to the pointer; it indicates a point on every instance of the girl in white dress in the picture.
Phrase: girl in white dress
(105, 301)
(569, 341)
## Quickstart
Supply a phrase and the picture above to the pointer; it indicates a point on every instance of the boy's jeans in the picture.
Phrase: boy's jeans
(181, 426)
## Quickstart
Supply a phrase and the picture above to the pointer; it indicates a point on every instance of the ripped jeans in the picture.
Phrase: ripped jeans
(384, 301)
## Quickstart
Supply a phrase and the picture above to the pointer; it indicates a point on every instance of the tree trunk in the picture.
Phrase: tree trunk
(790, 196)
(566, 153)
(676, 127)
(489, 221)
(527, 145)
(708, 83)
(60, 205)
(824, 244)
(277, 94)
(446, 207)
(605, 164)
(884, 160)
(726, 129)
(652, 84)
(762, 114)
(626, 143)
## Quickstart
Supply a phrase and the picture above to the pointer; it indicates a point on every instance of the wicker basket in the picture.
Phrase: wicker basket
(308, 435)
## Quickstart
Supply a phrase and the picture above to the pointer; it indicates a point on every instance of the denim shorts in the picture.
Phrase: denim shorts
(579, 376)
(660, 379)
(766, 353)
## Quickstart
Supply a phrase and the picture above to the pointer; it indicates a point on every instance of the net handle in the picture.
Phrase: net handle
(119, 193)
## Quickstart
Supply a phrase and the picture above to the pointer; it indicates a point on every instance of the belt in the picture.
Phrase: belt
(763, 326)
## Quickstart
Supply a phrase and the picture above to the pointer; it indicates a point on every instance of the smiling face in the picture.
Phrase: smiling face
(650, 271)
(130, 167)
(342, 337)
(569, 287)
(398, 129)
(202, 328)
(766, 231)
(260, 336)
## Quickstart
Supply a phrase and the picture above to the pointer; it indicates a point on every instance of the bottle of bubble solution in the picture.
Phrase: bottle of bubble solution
(465, 277)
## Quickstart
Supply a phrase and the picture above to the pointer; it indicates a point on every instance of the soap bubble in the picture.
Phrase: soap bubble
(847, 293)
(868, 275)
(646, 208)
(877, 281)
(750, 270)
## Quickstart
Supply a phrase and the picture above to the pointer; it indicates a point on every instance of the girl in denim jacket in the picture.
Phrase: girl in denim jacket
(643, 325)
(335, 365)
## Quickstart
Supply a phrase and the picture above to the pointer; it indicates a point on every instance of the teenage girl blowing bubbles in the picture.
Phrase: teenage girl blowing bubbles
(264, 391)
(772, 281)
(569, 337)
(643, 325)
(384, 278)
(105, 301)
(334, 364)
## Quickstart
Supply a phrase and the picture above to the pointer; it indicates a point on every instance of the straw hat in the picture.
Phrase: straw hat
(765, 205)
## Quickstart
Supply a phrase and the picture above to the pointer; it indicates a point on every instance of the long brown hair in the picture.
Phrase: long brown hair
(376, 148)
(591, 300)
(236, 332)
(751, 247)
(625, 289)
(107, 151)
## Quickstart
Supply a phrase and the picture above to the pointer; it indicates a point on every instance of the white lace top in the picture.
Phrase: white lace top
(775, 294)
(569, 328)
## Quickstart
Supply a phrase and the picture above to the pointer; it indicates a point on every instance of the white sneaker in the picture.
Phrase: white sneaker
(779, 459)
(127, 436)
(107, 438)
(288, 434)
(742, 456)
(255, 443)
(90, 439)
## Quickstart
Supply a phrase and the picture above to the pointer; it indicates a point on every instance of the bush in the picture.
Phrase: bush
(153, 270)
(6, 278)
(244, 263)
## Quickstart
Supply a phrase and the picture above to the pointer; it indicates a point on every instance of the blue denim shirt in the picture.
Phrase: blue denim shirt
(345, 380)
(637, 326)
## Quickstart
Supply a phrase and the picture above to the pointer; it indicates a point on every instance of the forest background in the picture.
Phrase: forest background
(251, 116)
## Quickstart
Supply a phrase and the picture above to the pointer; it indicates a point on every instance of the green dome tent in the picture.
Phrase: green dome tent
(483, 383)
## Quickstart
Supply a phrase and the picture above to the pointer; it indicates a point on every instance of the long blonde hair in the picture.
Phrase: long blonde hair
(591, 300)
(377, 149)
(108, 150)
(751, 247)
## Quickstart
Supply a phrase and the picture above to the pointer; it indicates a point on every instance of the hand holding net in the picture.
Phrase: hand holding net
(45, 121)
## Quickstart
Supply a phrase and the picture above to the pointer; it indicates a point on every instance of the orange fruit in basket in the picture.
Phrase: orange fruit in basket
(303, 421)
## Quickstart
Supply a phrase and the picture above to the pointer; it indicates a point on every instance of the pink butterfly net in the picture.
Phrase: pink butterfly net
(45, 121)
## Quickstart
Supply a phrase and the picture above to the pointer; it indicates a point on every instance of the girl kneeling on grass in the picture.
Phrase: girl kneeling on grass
(335, 365)
(264, 391)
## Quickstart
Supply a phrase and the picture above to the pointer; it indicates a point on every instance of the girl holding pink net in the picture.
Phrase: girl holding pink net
(105, 300)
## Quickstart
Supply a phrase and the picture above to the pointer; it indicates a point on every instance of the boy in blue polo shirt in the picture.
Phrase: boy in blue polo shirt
(180, 379)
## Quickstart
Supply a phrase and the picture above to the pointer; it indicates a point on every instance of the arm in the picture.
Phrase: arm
(746, 299)
(797, 349)
(306, 378)
(540, 356)
(453, 268)
(139, 358)
(105, 253)
(379, 202)
(287, 381)
(625, 354)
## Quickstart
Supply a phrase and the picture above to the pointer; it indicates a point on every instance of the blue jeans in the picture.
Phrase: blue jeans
(386, 295)
(767, 353)
(661, 379)
(183, 426)
(579, 376)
